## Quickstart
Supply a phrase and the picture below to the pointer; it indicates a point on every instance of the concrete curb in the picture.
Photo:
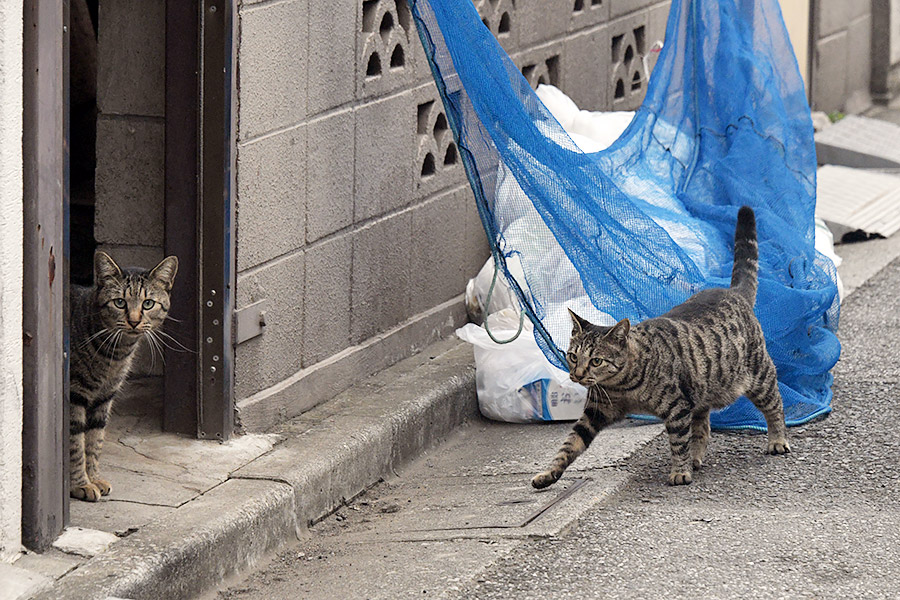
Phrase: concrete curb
(330, 454)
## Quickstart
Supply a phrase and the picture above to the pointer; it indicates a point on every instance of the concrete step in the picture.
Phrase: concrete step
(860, 142)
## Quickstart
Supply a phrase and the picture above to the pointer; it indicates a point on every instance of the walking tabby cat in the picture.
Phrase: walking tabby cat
(701, 355)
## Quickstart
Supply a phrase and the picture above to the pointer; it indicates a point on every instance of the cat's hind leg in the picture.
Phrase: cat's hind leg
(699, 437)
(766, 397)
(583, 432)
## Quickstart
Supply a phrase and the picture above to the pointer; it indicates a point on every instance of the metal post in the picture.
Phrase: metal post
(45, 435)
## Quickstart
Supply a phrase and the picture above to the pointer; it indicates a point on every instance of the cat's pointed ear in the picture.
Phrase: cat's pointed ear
(578, 324)
(165, 272)
(620, 330)
(105, 269)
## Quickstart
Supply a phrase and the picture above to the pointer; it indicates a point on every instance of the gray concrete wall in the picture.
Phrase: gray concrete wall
(355, 220)
(842, 63)
(129, 180)
(11, 224)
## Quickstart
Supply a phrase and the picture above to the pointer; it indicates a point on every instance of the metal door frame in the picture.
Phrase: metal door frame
(199, 209)
(45, 431)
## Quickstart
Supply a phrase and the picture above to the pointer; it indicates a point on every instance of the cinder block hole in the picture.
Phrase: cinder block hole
(553, 70)
(528, 72)
(450, 156)
(596, 2)
(505, 24)
(403, 14)
(440, 126)
(398, 57)
(616, 50)
(620, 89)
(579, 6)
(639, 39)
(636, 81)
(370, 13)
(422, 113)
(629, 54)
(387, 23)
(428, 165)
(373, 68)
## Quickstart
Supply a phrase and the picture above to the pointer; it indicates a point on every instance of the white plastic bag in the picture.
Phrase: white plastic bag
(515, 382)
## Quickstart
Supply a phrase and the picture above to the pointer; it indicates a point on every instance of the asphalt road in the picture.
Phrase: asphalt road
(823, 522)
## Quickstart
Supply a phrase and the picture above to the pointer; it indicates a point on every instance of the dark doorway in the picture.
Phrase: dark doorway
(60, 196)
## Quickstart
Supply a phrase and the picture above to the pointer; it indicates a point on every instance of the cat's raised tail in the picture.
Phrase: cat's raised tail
(746, 255)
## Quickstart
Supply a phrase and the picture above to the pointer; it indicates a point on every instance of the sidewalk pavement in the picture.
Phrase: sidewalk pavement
(315, 463)
(174, 530)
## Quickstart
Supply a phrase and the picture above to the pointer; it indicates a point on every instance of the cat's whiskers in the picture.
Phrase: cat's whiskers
(106, 340)
(180, 347)
(93, 337)
(155, 348)
(605, 393)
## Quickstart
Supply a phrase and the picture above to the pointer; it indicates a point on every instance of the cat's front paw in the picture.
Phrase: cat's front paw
(779, 447)
(89, 492)
(678, 478)
(102, 485)
(545, 479)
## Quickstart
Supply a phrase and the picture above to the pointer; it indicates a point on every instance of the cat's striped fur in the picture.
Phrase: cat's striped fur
(106, 323)
(701, 355)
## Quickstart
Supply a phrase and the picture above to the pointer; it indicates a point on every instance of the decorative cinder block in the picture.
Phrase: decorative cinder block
(586, 13)
(627, 76)
(384, 62)
(543, 65)
(438, 164)
(500, 17)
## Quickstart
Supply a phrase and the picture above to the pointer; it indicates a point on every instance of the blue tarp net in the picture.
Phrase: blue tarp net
(633, 230)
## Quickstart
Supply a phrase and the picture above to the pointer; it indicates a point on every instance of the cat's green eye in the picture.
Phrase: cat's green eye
(148, 304)
(596, 362)
(119, 302)
(572, 357)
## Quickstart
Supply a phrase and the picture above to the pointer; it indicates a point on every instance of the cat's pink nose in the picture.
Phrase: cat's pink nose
(133, 324)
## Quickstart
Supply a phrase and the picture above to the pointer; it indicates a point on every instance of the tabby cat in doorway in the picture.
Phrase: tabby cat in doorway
(701, 355)
(106, 323)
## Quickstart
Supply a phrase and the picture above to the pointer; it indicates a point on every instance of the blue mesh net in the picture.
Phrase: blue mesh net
(633, 230)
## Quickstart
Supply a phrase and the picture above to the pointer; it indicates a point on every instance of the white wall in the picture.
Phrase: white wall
(796, 18)
(10, 278)
(895, 31)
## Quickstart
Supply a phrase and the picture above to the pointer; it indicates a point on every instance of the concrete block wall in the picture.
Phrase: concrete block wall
(129, 179)
(355, 220)
(842, 61)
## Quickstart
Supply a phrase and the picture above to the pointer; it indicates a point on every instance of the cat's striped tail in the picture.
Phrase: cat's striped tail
(746, 255)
